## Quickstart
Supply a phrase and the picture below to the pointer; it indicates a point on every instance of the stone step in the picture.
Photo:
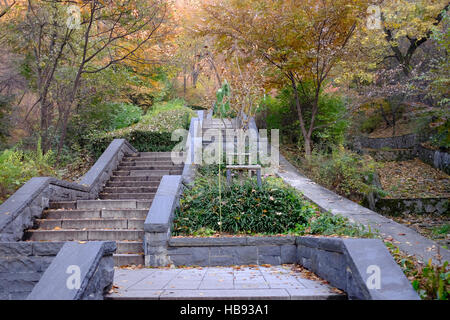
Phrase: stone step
(155, 154)
(130, 247)
(169, 164)
(132, 184)
(128, 259)
(148, 159)
(113, 204)
(81, 224)
(135, 179)
(138, 173)
(84, 235)
(96, 214)
(130, 196)
(136, 189)
(72, 214)
(127, 214)
(150, 173)
(142, 167)
(63, 205)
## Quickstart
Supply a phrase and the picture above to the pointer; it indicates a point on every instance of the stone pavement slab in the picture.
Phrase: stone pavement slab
(224, 283)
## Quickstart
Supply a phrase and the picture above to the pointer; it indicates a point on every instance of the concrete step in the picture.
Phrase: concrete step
(130, 247)
(113, 204)
(150, 173)
(125, 196)
(125, 214)
(135, 179)
(72, 214)
(148, 159)
(139, 173)
(96, 214)
(150, 164)
(84, 235)
(82, 224)
(128, 259)
(155, 154)
(133, 168)
(63, 205)
(136, 189)
(132, 184)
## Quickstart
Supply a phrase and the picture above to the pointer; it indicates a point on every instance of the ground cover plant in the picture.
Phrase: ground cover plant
(245, 208)
(343, 171)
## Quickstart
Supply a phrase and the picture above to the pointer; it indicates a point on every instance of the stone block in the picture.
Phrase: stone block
(288, 254)
(11, 249)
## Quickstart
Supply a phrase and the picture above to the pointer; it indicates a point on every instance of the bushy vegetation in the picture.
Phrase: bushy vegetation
(345, 172)
(152, 133)
(279, 113)
(17, 167)
(248, 209)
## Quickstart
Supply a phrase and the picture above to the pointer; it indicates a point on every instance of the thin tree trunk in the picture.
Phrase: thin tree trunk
(305, 133)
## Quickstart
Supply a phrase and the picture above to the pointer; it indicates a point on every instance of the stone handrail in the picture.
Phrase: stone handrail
(80, 271)
(18, 211)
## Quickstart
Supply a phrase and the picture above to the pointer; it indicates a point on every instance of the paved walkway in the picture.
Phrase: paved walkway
(223, 283)
(408, 240)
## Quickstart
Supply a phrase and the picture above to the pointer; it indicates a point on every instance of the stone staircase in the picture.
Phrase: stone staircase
(117, 215)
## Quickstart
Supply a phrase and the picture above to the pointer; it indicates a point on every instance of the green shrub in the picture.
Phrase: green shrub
(342, 171)
(124, 115)
(151, 134)
(280, 113)
(17, 167)
(247, 209)
(144, 141)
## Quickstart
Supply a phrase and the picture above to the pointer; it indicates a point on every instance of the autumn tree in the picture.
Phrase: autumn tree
(393, 59)
(70, 40)
(302, 40)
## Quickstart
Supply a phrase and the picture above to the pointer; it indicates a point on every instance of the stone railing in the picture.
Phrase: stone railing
(18, 211)
(80, 271)
(43, 265)
(158, 224)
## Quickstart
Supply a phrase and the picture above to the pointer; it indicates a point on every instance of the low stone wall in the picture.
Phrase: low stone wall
(363, 268)
(436, 158)
(438, 206)
(391, 155)
(80, 271)
(347, 264)
(23, 266)
(18, 212)
(229, 251)
(399, 142)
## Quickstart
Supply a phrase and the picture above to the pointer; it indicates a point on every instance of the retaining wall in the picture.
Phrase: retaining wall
(436, 158)
(437, 206)
(399, 142)
(363, 268)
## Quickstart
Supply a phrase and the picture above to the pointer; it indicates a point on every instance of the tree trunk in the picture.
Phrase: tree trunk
(305, 133)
